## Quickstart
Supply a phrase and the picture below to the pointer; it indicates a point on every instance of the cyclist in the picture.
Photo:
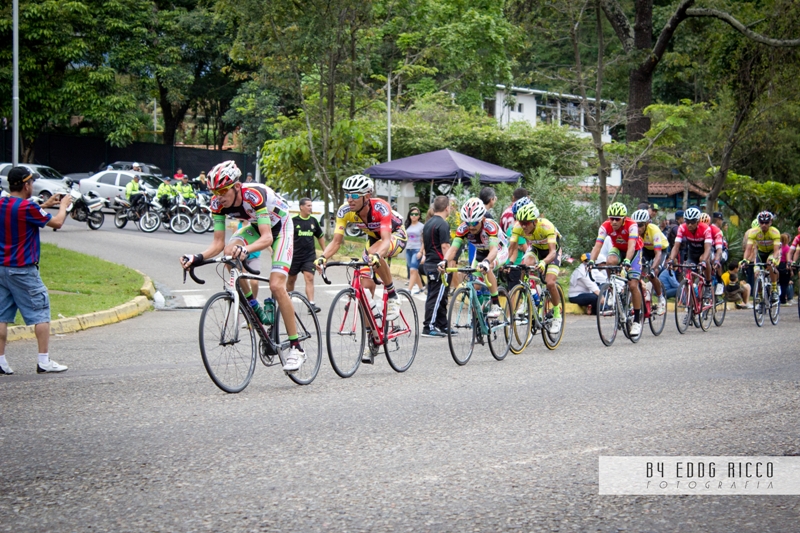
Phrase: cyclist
(654, 245)
(698, 242)
(718, 245)
(491, 250)
(625, 239)
(513, 276)
(386, 236)
(544, 252)
(270, 225)
(766, 240)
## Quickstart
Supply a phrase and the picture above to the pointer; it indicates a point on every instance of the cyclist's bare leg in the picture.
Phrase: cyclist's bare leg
(550, 280)
(290, 281)
(657, 288)
(277, 285)
(636, 294)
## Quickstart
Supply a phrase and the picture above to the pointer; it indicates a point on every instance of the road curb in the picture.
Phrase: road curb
(130, 309)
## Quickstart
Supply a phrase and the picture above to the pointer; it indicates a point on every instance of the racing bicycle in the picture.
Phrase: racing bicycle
(764, 299)
(615, 306)
(232, 337)
(532, 310)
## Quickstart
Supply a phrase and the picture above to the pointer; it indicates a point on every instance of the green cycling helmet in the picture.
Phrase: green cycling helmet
(617, 209)
(527, 213)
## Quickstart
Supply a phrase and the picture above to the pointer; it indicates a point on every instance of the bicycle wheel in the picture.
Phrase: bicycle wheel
(500, 328)
(521, 313)
(201, 221)
(607, 315)
(461, 326)
(720, 309)
(228, 342)
(552, 340)
(683, 307)
(180, 223)
(774, 310)
(759, 301)
(149, 222)
(401, 336)
(309, 335)
(706, 312)
(657, 322)
(629, 314)
(345, 333)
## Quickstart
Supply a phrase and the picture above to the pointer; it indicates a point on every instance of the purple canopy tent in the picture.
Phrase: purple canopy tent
(441, 165)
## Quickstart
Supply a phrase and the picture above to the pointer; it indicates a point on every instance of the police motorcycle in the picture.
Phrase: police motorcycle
(176, 216)
(86, 207)
(145, 215)
(200, 214)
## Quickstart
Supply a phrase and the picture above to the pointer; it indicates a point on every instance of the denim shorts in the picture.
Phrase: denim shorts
(411, 259)
(22, 288)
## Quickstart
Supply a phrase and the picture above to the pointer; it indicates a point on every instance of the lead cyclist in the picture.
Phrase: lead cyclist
(270, 226)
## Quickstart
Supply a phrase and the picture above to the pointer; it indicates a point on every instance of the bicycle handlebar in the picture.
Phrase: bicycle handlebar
(610, 268)
(354, 263)
(227, 259)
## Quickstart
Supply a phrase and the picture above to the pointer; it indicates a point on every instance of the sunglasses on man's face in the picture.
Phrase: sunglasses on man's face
(222, 192)
(473, 224)
(351, 196)
(614, 219)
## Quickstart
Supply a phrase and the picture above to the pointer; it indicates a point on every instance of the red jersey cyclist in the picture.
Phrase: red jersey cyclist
(270, 226)
(491, 250)
(697, 237)
(624, 234)
(386, 236)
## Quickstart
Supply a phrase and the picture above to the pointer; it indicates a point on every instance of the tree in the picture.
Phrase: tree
(253, 111)
(66, 69)
(645, 55)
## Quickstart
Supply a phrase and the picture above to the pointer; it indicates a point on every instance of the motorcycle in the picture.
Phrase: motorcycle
(201, 214)
(145, 215)
(86, 207)
(176, 216)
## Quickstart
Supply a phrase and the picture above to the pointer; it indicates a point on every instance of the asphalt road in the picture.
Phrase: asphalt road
(135, 437)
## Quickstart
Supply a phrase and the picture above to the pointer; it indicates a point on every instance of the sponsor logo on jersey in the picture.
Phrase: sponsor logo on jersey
(382, 208)
(343, 211)
(252, 196)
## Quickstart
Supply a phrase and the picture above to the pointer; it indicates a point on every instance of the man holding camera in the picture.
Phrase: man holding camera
(21, 287)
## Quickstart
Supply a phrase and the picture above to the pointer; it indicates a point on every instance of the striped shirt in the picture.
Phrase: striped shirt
(20, 221)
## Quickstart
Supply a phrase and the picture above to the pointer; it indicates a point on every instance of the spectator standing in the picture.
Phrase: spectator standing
(136, 167)
(414, 249)
(582, 290)
(179, 175)
(201, 182)
(489, 198)
(306, 229)
(784, 270)
(673, 230)
(507, 218)
(436, 242)
(653, 211)
(249, 178)
(21, 287)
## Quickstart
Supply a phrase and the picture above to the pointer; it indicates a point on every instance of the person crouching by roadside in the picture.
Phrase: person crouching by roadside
(582, 290)
(21, 287)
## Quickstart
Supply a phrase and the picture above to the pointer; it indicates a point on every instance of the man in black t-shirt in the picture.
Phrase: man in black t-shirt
(436, 242)
(306, 229)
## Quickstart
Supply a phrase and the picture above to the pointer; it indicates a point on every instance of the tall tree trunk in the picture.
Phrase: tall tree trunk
(640, 95)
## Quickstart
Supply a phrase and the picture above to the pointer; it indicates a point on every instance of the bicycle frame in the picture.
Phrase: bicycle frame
(693, 279)
(376, 329)
(471, 281)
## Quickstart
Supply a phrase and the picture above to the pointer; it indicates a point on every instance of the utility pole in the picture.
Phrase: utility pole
(389, 129)
(15, 89)
(155, 122)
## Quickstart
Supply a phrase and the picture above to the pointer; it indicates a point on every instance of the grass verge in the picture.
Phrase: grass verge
(80, 284)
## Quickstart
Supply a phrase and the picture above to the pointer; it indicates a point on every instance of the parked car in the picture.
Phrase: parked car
(111, 184)
(151, 170)
(48, 182)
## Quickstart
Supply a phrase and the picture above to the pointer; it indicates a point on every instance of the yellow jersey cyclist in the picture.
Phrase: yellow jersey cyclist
(270, 226)
(491, 250)
(766, 243)
(654, 249)
(544, 251)
(386, 236)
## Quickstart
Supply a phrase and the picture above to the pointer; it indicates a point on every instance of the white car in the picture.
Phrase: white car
(111, 184)
(48, 182)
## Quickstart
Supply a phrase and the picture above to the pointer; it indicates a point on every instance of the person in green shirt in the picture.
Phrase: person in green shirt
(165, 193)
(184, 188)
(133, 191)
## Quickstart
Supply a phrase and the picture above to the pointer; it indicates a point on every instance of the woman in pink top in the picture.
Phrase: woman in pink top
(784, 272)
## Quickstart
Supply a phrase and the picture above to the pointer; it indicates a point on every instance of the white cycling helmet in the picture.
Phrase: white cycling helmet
(358, 184)
(473, 211)
(223, 175)
(692, 215)
(641, 216)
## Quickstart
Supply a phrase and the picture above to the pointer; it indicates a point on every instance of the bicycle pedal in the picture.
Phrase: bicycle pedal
(367, 360)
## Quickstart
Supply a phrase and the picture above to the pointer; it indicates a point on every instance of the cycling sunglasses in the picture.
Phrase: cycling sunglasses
(352, 196)
(222, 191)
(615, 219)
(472, 224)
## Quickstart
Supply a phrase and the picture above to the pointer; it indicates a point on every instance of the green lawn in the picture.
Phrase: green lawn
(80, 284)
